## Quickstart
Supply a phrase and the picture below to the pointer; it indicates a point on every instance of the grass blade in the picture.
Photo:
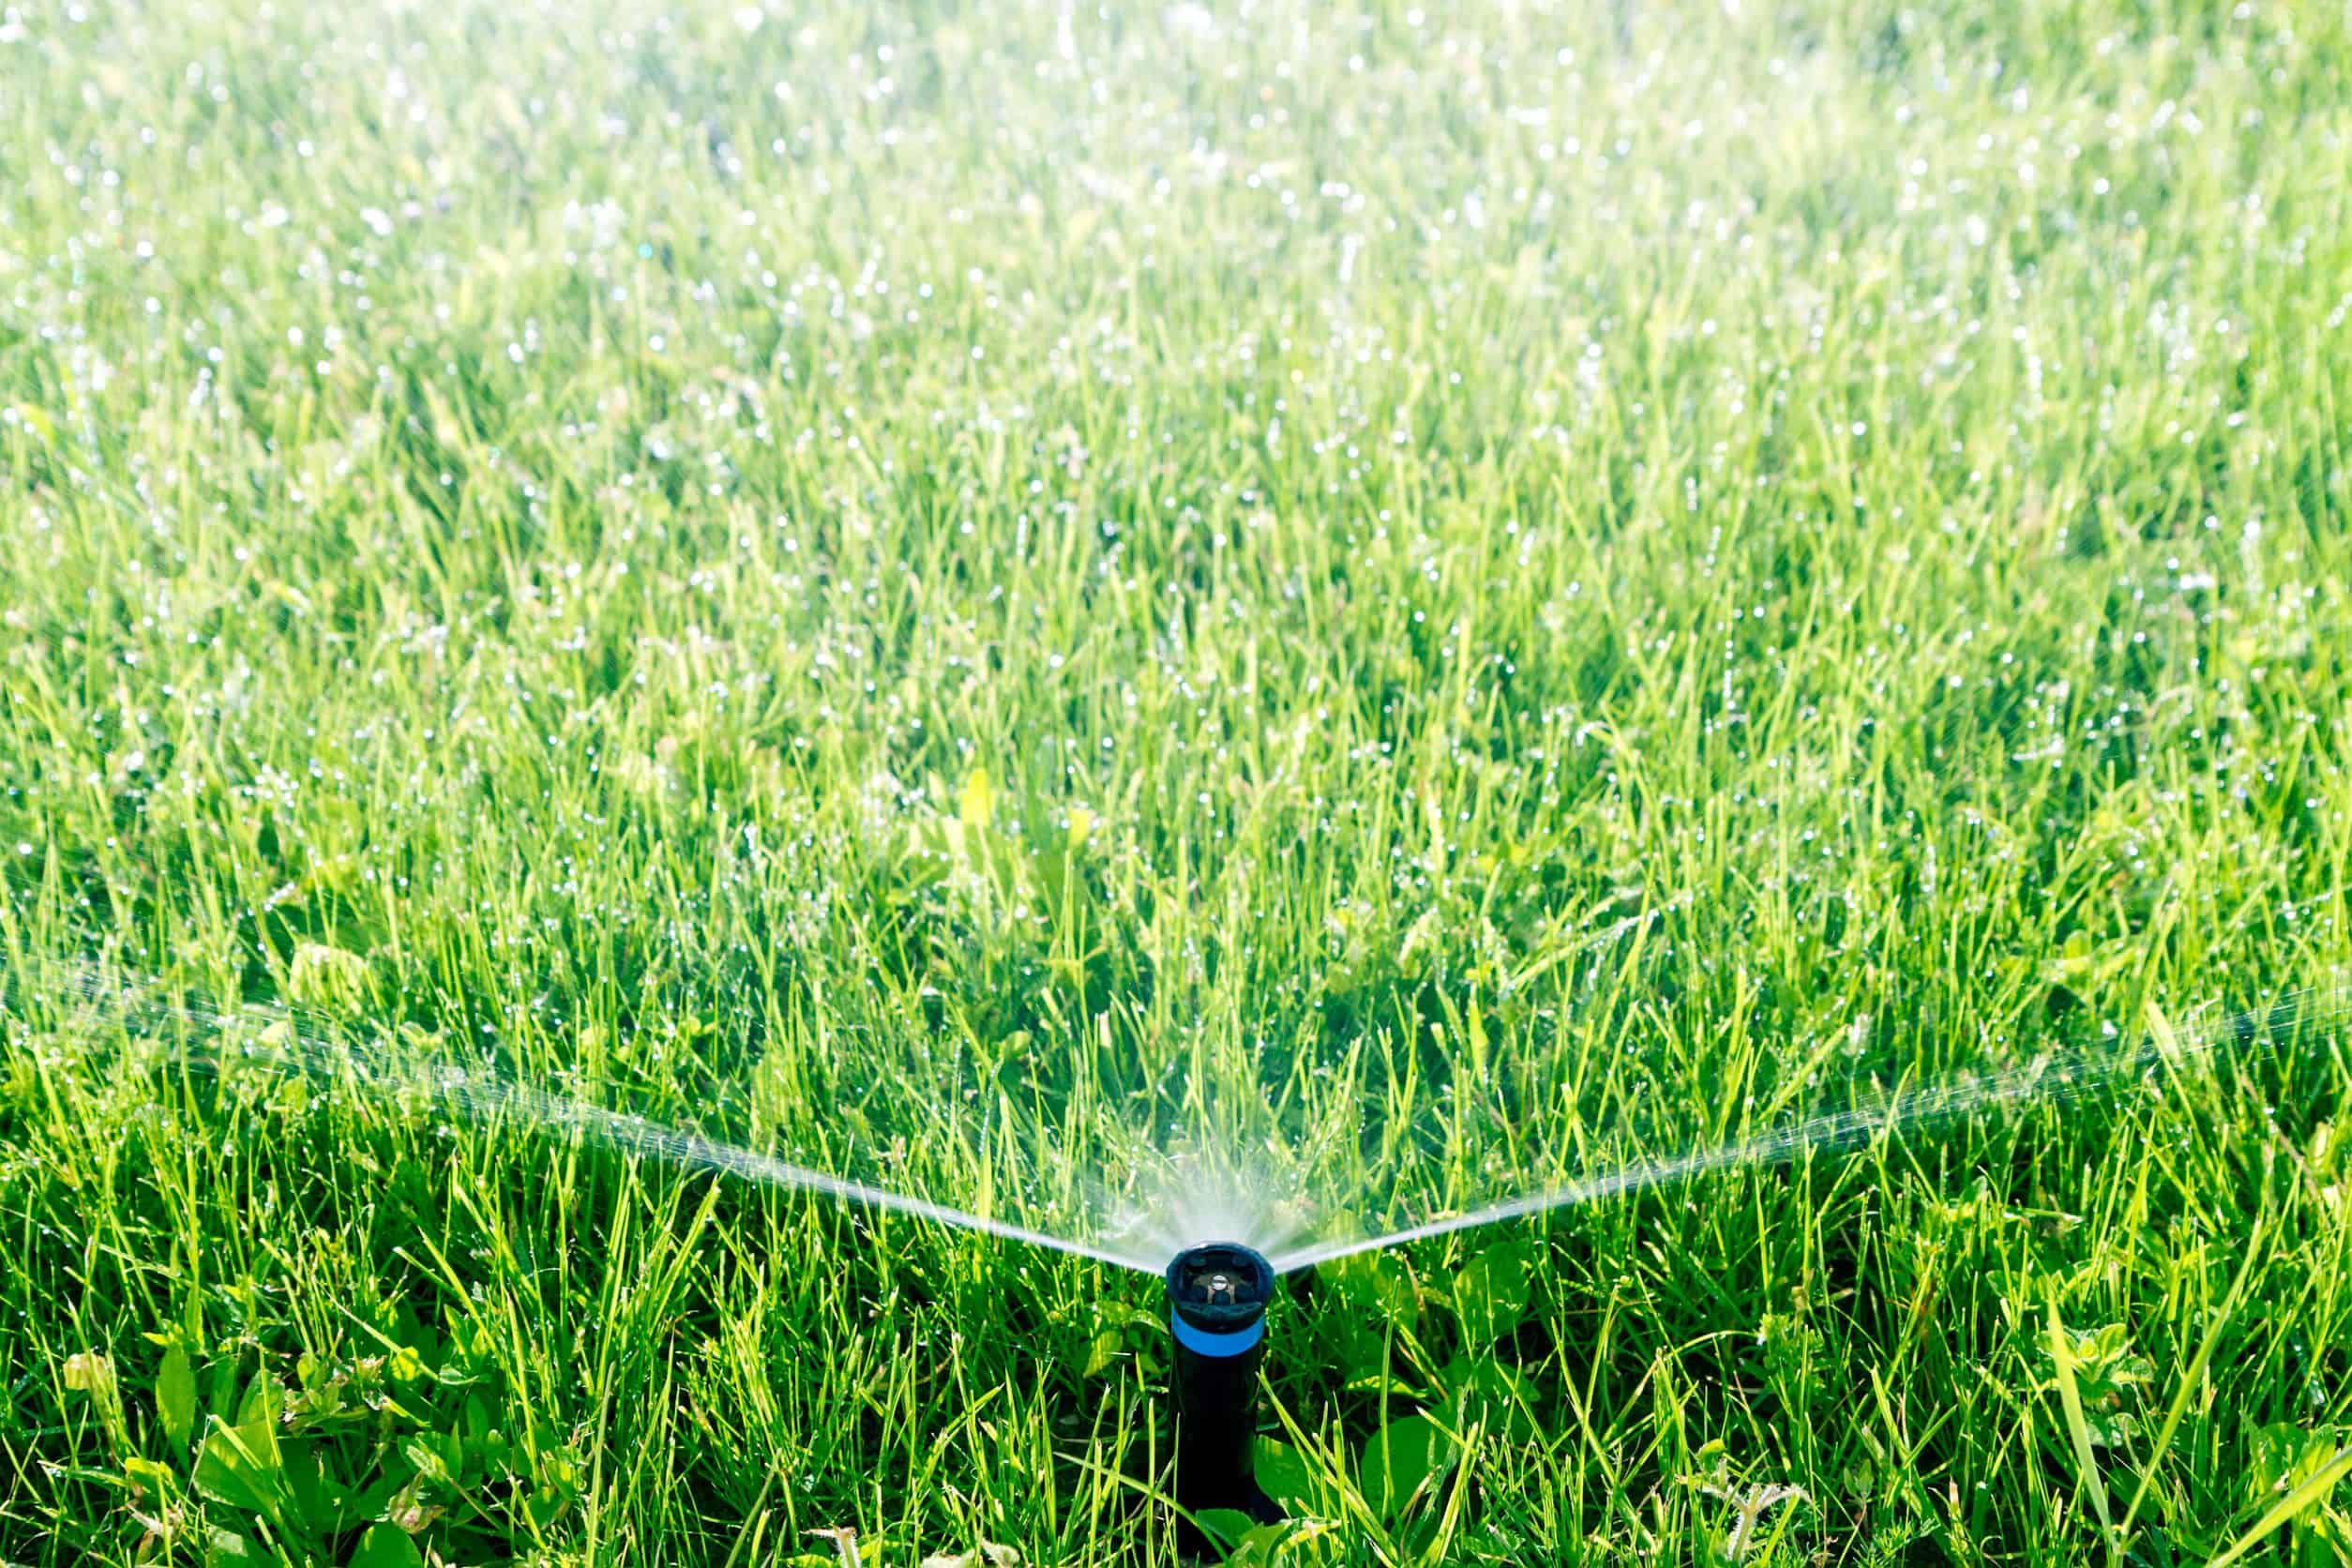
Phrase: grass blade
(2286, 1508)
(2078, 1429)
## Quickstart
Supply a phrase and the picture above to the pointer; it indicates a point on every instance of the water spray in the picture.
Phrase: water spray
(1216, 1307)
(216, 1038)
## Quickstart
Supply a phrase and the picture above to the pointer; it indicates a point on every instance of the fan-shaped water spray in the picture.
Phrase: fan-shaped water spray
(1166, 1200)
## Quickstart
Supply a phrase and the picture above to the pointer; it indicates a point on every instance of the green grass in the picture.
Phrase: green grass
(1193, 572)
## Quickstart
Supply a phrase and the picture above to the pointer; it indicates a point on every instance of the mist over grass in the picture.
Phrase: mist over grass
(1318, 618)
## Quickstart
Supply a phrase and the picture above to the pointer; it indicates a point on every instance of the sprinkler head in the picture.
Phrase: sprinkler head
(1216, 1299)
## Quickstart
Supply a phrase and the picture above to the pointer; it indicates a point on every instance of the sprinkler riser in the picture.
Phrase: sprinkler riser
(1217, 1297)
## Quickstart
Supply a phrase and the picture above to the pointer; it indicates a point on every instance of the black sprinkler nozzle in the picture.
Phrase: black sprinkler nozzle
(1217, 1298)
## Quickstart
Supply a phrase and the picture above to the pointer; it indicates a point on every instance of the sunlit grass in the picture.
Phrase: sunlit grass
(1424, 603)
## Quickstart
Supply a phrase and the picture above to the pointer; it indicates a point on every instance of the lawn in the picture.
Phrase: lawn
(1165, 619)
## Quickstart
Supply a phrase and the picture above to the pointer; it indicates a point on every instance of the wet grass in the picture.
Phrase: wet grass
(925, 588)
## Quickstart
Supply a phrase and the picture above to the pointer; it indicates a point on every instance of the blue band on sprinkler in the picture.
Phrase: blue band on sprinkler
(1201, 1342)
